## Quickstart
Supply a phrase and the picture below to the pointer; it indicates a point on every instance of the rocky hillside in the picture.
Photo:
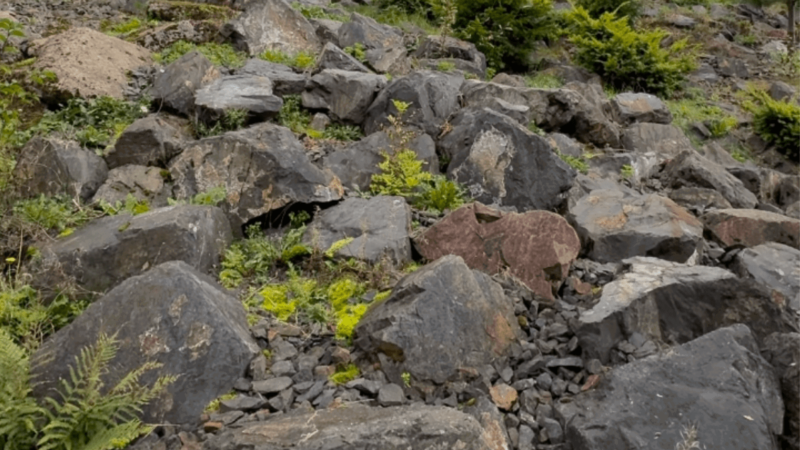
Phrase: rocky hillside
(270, 225)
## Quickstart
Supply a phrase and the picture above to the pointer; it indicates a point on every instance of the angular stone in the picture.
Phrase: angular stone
(248, 92)
(732, 67)
(751, 227)
(272, 25)
(717, 385)
(262, 168)
(332, 57)
(391, 395)
(242, 403)
(379, 228)
(433, 97)
(675, 303)
(52, 166)
(782, 350)
(344, 95)
(439, 321)
(174, 86)
(356, 163)
(143, 183)
(629, 108)
(172, 315)
(504, 396)
(537, 247)
(272, 385)
(450, 47)
(385, 50)
(691, 169)
(285, 81)
(150, 141)
(698, 200)
(774, 265)
(111, 249)
(409, 427)
(88, 63)
(492, 421)
(327, 30)
(613, 226)
(663, 141)
(488, 152)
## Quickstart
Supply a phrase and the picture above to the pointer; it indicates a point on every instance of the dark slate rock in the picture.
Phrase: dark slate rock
(629, 108)
(433, 97)
(414, 426)
(143, 183)
(774, 265)
(379, 228)
(344, 95)
(437, 322)
(242, 403)
(717, 384)
(356, 163)
(272, 25)
(109, 250)
(327, 30)
(248, 92)
(613, 226)
(664, 141)
(332, 57)
(149, 141)
(782, 350)
(384, 45)
(262, 168)
(272, 385)
(175, 85)
(53, 166)
(437, 47)
(691, 169)
(391, 395)
(488, 150)
(675, 303)
(285, 81)
(698, 200)
(751, 227)
(172, 315)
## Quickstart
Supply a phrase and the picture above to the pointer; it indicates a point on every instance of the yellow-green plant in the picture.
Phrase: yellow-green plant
(218, 54)
(345, 374)
(300, 60)
(357, 51)
(578, 164)
(778, 123)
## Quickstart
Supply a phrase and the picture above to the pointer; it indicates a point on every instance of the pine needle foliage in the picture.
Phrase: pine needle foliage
(627, 59)
(778, 123)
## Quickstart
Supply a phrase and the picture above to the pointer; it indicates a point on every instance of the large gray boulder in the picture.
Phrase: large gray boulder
(774, 265)
(344, 95)
(379, 229)
(614, 225)
(717, 388)
(149, 141)
(332, 57)
(105, 252)
(356, 163)
(629, 108)
(272, 25)
(751, 227)
(263, 168)
(175, 85)
(782, 350)
(247, 92)
(384, 45)
(172, 315)
(437, 323)
(689, 169)
(433, 97)
(359, 426)
(143, 183)
(675, 303)
(437, 47)
(285, 81)
(661, 140)
(52, 166)
(502, 163)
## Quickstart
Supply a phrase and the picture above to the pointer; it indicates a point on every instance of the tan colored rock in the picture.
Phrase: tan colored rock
(504, 396)
(751, 227)
(89, 63)
(537, 247)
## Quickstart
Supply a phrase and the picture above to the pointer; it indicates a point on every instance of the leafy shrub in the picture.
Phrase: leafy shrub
(131, 205)
(440, 195)
(691, 109)
(53, 213)
(778, 123)
(357, 51)
(300, 61)
(445, 66)
(342, 132)
(578, 164)
(627, 59)
(292, 116)
(9, 28)
(626, 8)
(504, 30)
(85, 416)
(218, 54)
(544, 81)
(345, 374)
(401, 174)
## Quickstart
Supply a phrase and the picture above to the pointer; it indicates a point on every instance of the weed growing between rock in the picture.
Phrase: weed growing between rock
(219, 54)
(357, 51)
(345, 374)
(299, 61)
(232, 120)
(778, 123)
(578, 164)
(213, 405)
(694, 108)
(543, 81)
(318, 12)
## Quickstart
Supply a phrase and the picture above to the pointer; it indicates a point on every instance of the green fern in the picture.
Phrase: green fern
(20, 415)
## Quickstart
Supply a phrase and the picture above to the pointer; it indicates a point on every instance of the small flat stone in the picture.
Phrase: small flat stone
(570, 361)
(504, 396)
(391, 395)
(272, 385)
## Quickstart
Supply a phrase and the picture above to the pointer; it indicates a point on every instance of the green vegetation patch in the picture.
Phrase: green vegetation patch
(544, 80)
(300, 60)
(219, 54)
(689, 110)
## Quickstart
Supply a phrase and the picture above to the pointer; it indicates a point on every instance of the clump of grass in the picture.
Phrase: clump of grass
(232, 120)
(445, 66)
(357, 51)
(691, 109)
(213, 405)
(300, 60)
(341, 132)
(578, 164)
(396, 17)
(345, 374)
(293, 116)
(317, 12)
(543, 80)
(219, 54)
(626, 172)
(53, 213)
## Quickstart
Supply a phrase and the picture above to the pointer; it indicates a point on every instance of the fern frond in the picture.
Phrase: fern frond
(118, 436)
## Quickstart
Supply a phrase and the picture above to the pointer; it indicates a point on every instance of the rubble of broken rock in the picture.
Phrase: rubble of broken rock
(559, 309)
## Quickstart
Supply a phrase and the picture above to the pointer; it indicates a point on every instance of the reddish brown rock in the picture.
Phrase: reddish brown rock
(504, 396)
(751, 227)
(538, 246)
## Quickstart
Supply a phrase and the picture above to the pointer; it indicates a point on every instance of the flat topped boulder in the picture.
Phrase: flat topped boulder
(150, 141)
(718, 385)
(774, 265)
(674, 303)
(174, 87)
(89, 63)
(172, 315)
(438, 322)
(272, 25)
(108, 250)
(537, 247)
(248, 92)
(359, 426)
(614, 225)
(631, 107)
(751, 227)
(262, 168)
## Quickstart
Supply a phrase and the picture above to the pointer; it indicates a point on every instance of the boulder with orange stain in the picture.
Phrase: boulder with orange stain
(751, 227)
